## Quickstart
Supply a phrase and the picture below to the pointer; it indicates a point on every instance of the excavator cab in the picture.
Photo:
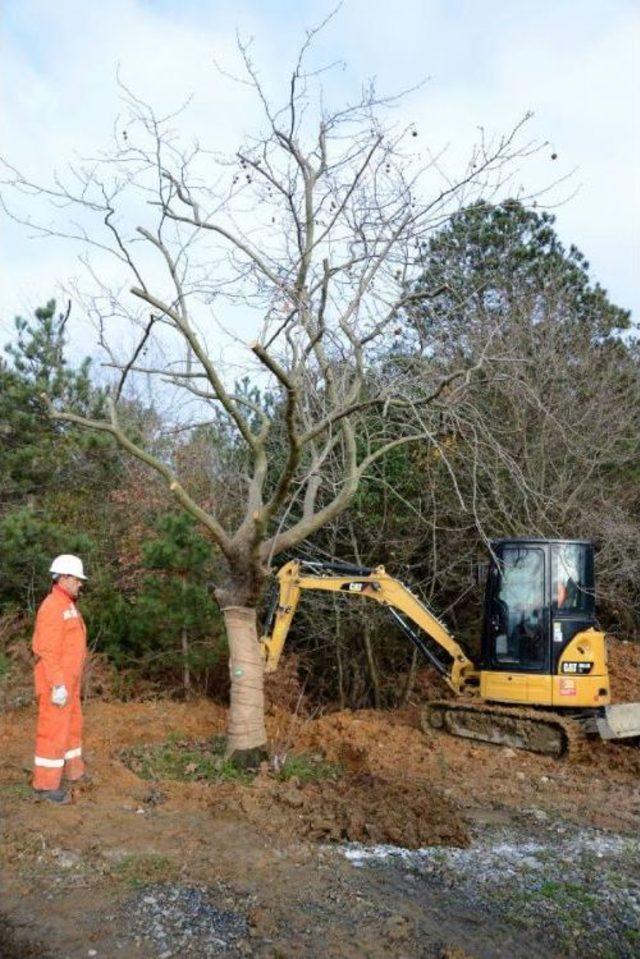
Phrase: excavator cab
(539, 636)
(539, 595)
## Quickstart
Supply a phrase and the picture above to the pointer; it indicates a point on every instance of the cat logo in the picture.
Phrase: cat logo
(354, 587)
(581, 668)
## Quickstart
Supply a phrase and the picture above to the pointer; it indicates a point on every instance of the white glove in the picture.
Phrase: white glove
(59, 696)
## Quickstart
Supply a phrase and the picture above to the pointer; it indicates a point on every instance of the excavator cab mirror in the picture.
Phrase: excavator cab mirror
(480, 573)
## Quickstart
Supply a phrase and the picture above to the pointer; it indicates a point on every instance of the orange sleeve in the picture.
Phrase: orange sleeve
(47, 641)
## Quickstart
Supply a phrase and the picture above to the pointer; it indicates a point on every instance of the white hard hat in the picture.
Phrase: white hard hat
(67, 565)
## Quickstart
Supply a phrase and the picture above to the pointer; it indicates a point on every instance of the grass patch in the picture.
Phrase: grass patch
(568, 894)
(143, 869)
(183, 760)
(305, 768)
(15, 790)
(5, 665)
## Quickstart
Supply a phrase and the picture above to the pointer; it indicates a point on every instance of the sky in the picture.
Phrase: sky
(574, 63)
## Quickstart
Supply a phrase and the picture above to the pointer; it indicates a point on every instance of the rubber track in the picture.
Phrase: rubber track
(575, 737)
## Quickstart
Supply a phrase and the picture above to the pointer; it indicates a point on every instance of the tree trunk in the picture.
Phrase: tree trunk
(411, 678)
(186, 672)
(247, 735)
(371, 663)
(184, 643)
(341, 694)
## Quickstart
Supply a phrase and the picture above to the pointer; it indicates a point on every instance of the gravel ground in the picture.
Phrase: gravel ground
(569, 891)
(576, 888)
(187, 920)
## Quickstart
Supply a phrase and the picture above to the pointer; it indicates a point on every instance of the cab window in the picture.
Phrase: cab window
(571, 578)
(518, 608)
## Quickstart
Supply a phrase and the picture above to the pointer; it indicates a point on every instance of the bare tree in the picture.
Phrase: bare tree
(309, 234)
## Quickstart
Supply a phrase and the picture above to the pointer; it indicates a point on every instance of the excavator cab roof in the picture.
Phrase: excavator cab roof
(517, 540)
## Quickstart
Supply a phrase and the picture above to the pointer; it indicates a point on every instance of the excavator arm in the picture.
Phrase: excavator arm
(376, 584)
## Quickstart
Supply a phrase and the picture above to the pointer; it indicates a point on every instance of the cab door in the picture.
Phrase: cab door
(517, 645)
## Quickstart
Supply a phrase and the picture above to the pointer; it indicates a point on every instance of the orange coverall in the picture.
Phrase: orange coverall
(60, 644)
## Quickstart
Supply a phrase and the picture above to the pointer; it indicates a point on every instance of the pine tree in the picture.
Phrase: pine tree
(48, 471)
(174, 610)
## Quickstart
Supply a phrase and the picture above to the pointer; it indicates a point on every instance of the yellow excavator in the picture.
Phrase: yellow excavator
(541, 681)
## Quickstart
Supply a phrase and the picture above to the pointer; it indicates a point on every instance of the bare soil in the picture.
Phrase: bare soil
(260, 869)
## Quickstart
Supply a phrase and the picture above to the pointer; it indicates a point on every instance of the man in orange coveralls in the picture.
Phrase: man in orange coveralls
(60, 645)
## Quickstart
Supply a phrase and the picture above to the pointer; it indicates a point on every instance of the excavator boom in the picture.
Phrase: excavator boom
(376, 584)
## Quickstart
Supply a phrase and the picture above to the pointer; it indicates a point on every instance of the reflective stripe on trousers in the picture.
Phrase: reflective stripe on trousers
(48, 763)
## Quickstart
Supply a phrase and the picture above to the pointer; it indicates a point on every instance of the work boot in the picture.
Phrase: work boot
(58, 796)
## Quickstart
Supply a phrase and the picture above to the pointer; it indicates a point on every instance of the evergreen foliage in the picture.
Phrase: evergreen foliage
(490, 261)
(48, 473)
(175, 618)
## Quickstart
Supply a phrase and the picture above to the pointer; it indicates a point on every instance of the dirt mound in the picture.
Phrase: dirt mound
(422, 777)
(622, 757)
(366, 741)
(624, 670)
(377, 799)
(371, 809)
(108, 852)
(429, 684)
(358, 807)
